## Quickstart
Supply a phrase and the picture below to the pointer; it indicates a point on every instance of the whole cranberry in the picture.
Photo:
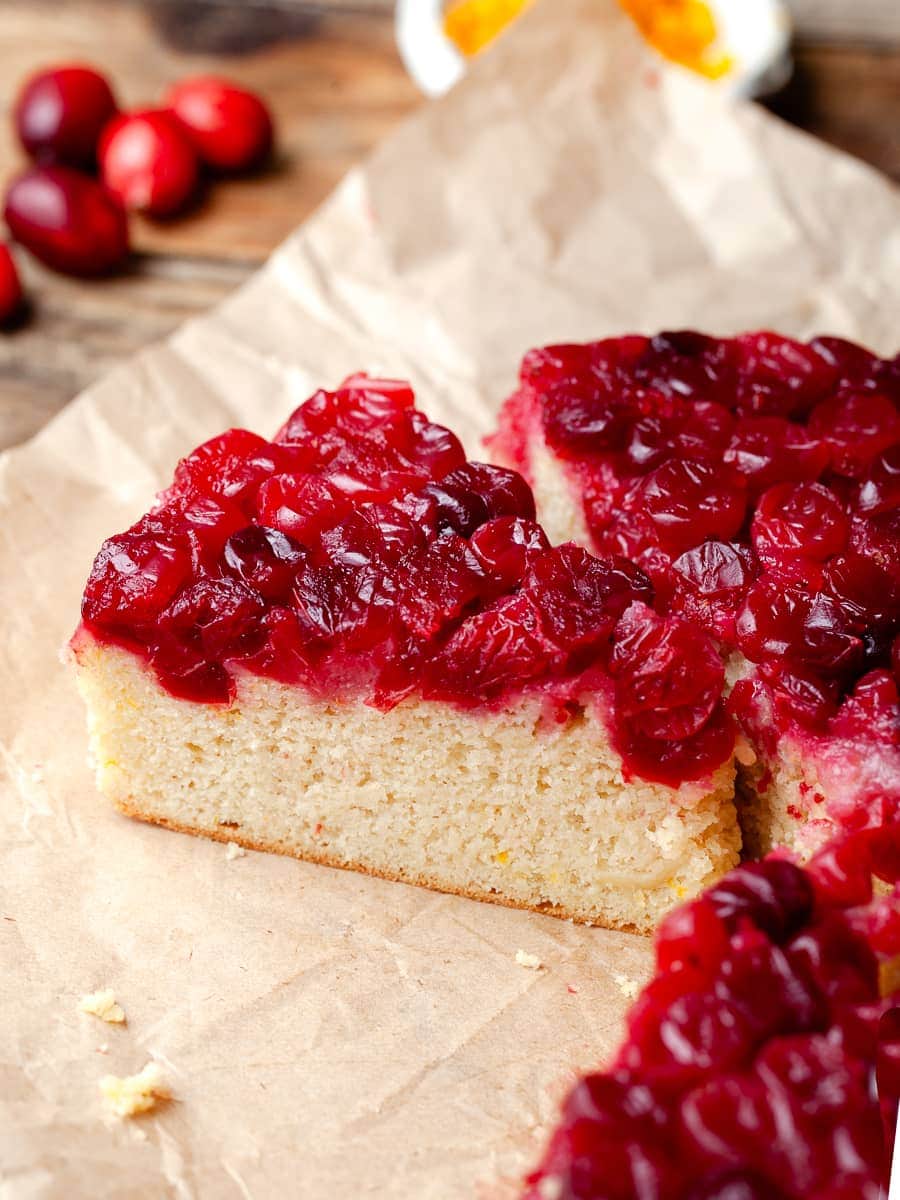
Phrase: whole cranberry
(10, 287)
(60, 112)
(149, 162)
(67, 220)
(230, 127)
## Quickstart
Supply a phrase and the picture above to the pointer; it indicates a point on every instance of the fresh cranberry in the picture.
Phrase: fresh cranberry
(768, 450)
(795, 522)
(67, 220)
(60, 113)
(857, 426)
(230, 126)
(149, 163)
(689, 502)
(10, 287)
(668, 675)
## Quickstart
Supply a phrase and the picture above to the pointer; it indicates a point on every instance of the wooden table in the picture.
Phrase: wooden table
(337, 86)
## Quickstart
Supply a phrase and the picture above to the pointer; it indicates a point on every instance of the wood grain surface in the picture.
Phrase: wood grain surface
(333, 77)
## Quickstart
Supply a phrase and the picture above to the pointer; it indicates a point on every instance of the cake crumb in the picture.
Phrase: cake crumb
(131, 1095)
(233, 851)
(628, 987)
(103, 1004)
(572, 989)
(531, 961)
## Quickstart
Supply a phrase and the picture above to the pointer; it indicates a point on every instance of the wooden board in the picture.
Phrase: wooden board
(334, 79)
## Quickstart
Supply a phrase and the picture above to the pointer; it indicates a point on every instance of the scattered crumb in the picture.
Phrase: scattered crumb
(531, 961)
(103, 1048)
(103, 1005)
(628, 987)
(233, 851)
(550, 1188)
(134, 1094)
(572, 989)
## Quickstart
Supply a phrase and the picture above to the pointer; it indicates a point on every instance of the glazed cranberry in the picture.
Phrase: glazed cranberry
(133, 578)
(506, 546)
(373, 533)
(871, 710)
(895, 658)
(782, 622)
(231, 465)
(795, 522)
(854, 366)
(693, 935)
(67, 220)
(879, 492)
(868, 591)
(802, 694)
(147, 160)
(360, 405)
(10, 287)
(580, 598)
(60, 113)
(689, 502)
(775, 896)
(583, 421)
(435, 585)
(768, 450)
(491, 652)
(301, 505)
(477, 492)
(265, 559)
(711, 582)
(221, 616)
(668, 675)
(857, 428)
(683, 363)
(348, 606)
(231, 127)
(780, 376)
(699, 431)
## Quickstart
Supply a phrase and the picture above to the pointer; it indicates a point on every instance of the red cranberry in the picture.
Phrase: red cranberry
(477, 492)
(868, 591)
(221, 616)
(10, 287)
(231, 127)
(796, 522)
(768, 450)
(583, 420)
(360, 405)
(149, 163)
(436, 584)
(373, 533)
(60, 113)
(779, 376)
(301, 505)
(775, 896)
(668, 676)
(689, 502)
(858, 426)
(580, 598)
(133, 578)
(683, 363)
(506, 546)
(879, 492)
(232, 465)
(693, 935)
(711, 582)
(266, 559)
(67, 220)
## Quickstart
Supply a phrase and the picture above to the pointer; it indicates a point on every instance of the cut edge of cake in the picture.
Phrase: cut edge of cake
(412, 794)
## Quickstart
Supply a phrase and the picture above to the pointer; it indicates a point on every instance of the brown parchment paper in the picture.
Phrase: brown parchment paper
(325, 1034)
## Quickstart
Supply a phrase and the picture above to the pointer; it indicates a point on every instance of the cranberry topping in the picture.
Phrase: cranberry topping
(748, 1069)
(757, 482)
(360, 554)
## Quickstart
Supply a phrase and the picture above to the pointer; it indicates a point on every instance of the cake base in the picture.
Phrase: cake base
(503, 805)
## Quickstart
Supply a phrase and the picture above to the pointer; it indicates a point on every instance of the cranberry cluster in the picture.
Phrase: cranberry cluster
(749, 1067)
(150, 160)
(756, 480)
(359, 552)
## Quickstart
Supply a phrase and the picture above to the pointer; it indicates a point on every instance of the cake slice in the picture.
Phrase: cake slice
(352, 645)
(762, 1062)
(756, 480)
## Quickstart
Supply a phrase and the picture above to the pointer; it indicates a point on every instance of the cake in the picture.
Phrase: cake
(762, 1061)
(353, 645)
(756, 481)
